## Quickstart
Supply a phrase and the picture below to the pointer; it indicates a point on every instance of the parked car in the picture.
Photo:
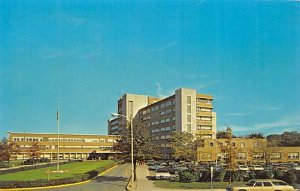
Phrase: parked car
(162, 173)
(262, 185)
(243, 168)
(256, 167)
(155, 167)
(281, 168)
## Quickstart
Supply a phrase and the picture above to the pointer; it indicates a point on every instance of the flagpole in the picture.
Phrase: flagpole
(57, 119)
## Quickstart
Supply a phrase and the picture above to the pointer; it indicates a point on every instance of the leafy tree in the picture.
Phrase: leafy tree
(286, 139)
(34, 151)
(266, 149)
(183, 146)
(8, 150)
(231, 153)
(224, 134)
(143, 147)
(258, 135)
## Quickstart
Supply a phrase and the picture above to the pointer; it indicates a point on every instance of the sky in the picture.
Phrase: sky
(83, 55)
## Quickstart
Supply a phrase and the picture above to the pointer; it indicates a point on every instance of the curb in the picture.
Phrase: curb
(62, 185)
(127, 186)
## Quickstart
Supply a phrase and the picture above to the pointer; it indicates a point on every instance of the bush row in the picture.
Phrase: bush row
(290, 177)
(40, 183)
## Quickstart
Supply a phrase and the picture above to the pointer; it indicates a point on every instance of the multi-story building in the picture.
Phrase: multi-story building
(186, 110)
(247, 150)
(128, 106)
(71, 146)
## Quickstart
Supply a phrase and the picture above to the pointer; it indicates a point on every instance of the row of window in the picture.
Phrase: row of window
(203, 127)
(159, 106)
(163, 129)
(166, 120)
(205, 101)
(27, 139)
(255, 156)
(201, 109)
(163, 137)
(203, 118)
(65, 140)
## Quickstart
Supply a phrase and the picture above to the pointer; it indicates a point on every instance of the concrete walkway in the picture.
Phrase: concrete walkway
(143, 184)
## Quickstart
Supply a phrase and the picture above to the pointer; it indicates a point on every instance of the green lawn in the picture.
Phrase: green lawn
(192, 185)
(72, 168)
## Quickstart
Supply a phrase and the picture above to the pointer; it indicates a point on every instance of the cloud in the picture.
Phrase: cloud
(159, 91)
(166, 46)
(206, 85)
(272, 108)
(286, 122)
(239, 114)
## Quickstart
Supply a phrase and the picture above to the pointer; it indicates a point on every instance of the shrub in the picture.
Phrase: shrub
(220, 176)
(188, 176)
(264, 174)
(289, 177)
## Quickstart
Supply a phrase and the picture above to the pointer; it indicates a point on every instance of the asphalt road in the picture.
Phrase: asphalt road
(114, 180)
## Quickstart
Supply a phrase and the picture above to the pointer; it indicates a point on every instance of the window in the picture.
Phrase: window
(258, 184)
(293, 155)
(162, 105)
(163, 129)
(255, 144)
(189, 99)
(189, 109)
(211, 144)
(189, 127)
(168, 128)
(257, 156)
(267, 184)
(241, 156)
(275, 156)
(189, 118)
(233, 144)
(242, 144)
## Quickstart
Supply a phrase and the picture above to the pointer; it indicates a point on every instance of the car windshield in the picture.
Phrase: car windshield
(250, 183)
(279, 183)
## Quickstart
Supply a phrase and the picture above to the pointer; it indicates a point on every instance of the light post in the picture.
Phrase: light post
(131, 125)
(57, 118)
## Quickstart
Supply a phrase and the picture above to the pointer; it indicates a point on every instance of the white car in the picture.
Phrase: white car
(162, 173)
(243, 168)
(256, 167)
(262, 185)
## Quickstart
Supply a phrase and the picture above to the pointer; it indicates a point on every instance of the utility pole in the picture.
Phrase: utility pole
(57, 119)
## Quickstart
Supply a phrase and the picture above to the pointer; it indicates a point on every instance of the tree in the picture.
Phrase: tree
(8, 150)
(258, 135)
(34, 151)
(286, 139)
(266, 149)
(224, 134)
(183, 146)
(230, 151)
(144, 149)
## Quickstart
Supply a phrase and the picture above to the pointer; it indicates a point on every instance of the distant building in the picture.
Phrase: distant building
(248, 150)
(71, 146)
(186, 110)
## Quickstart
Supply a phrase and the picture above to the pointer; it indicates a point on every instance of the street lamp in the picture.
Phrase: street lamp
(131, 124)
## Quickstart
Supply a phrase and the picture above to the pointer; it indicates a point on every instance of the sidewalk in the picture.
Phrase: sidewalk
(143, 184)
